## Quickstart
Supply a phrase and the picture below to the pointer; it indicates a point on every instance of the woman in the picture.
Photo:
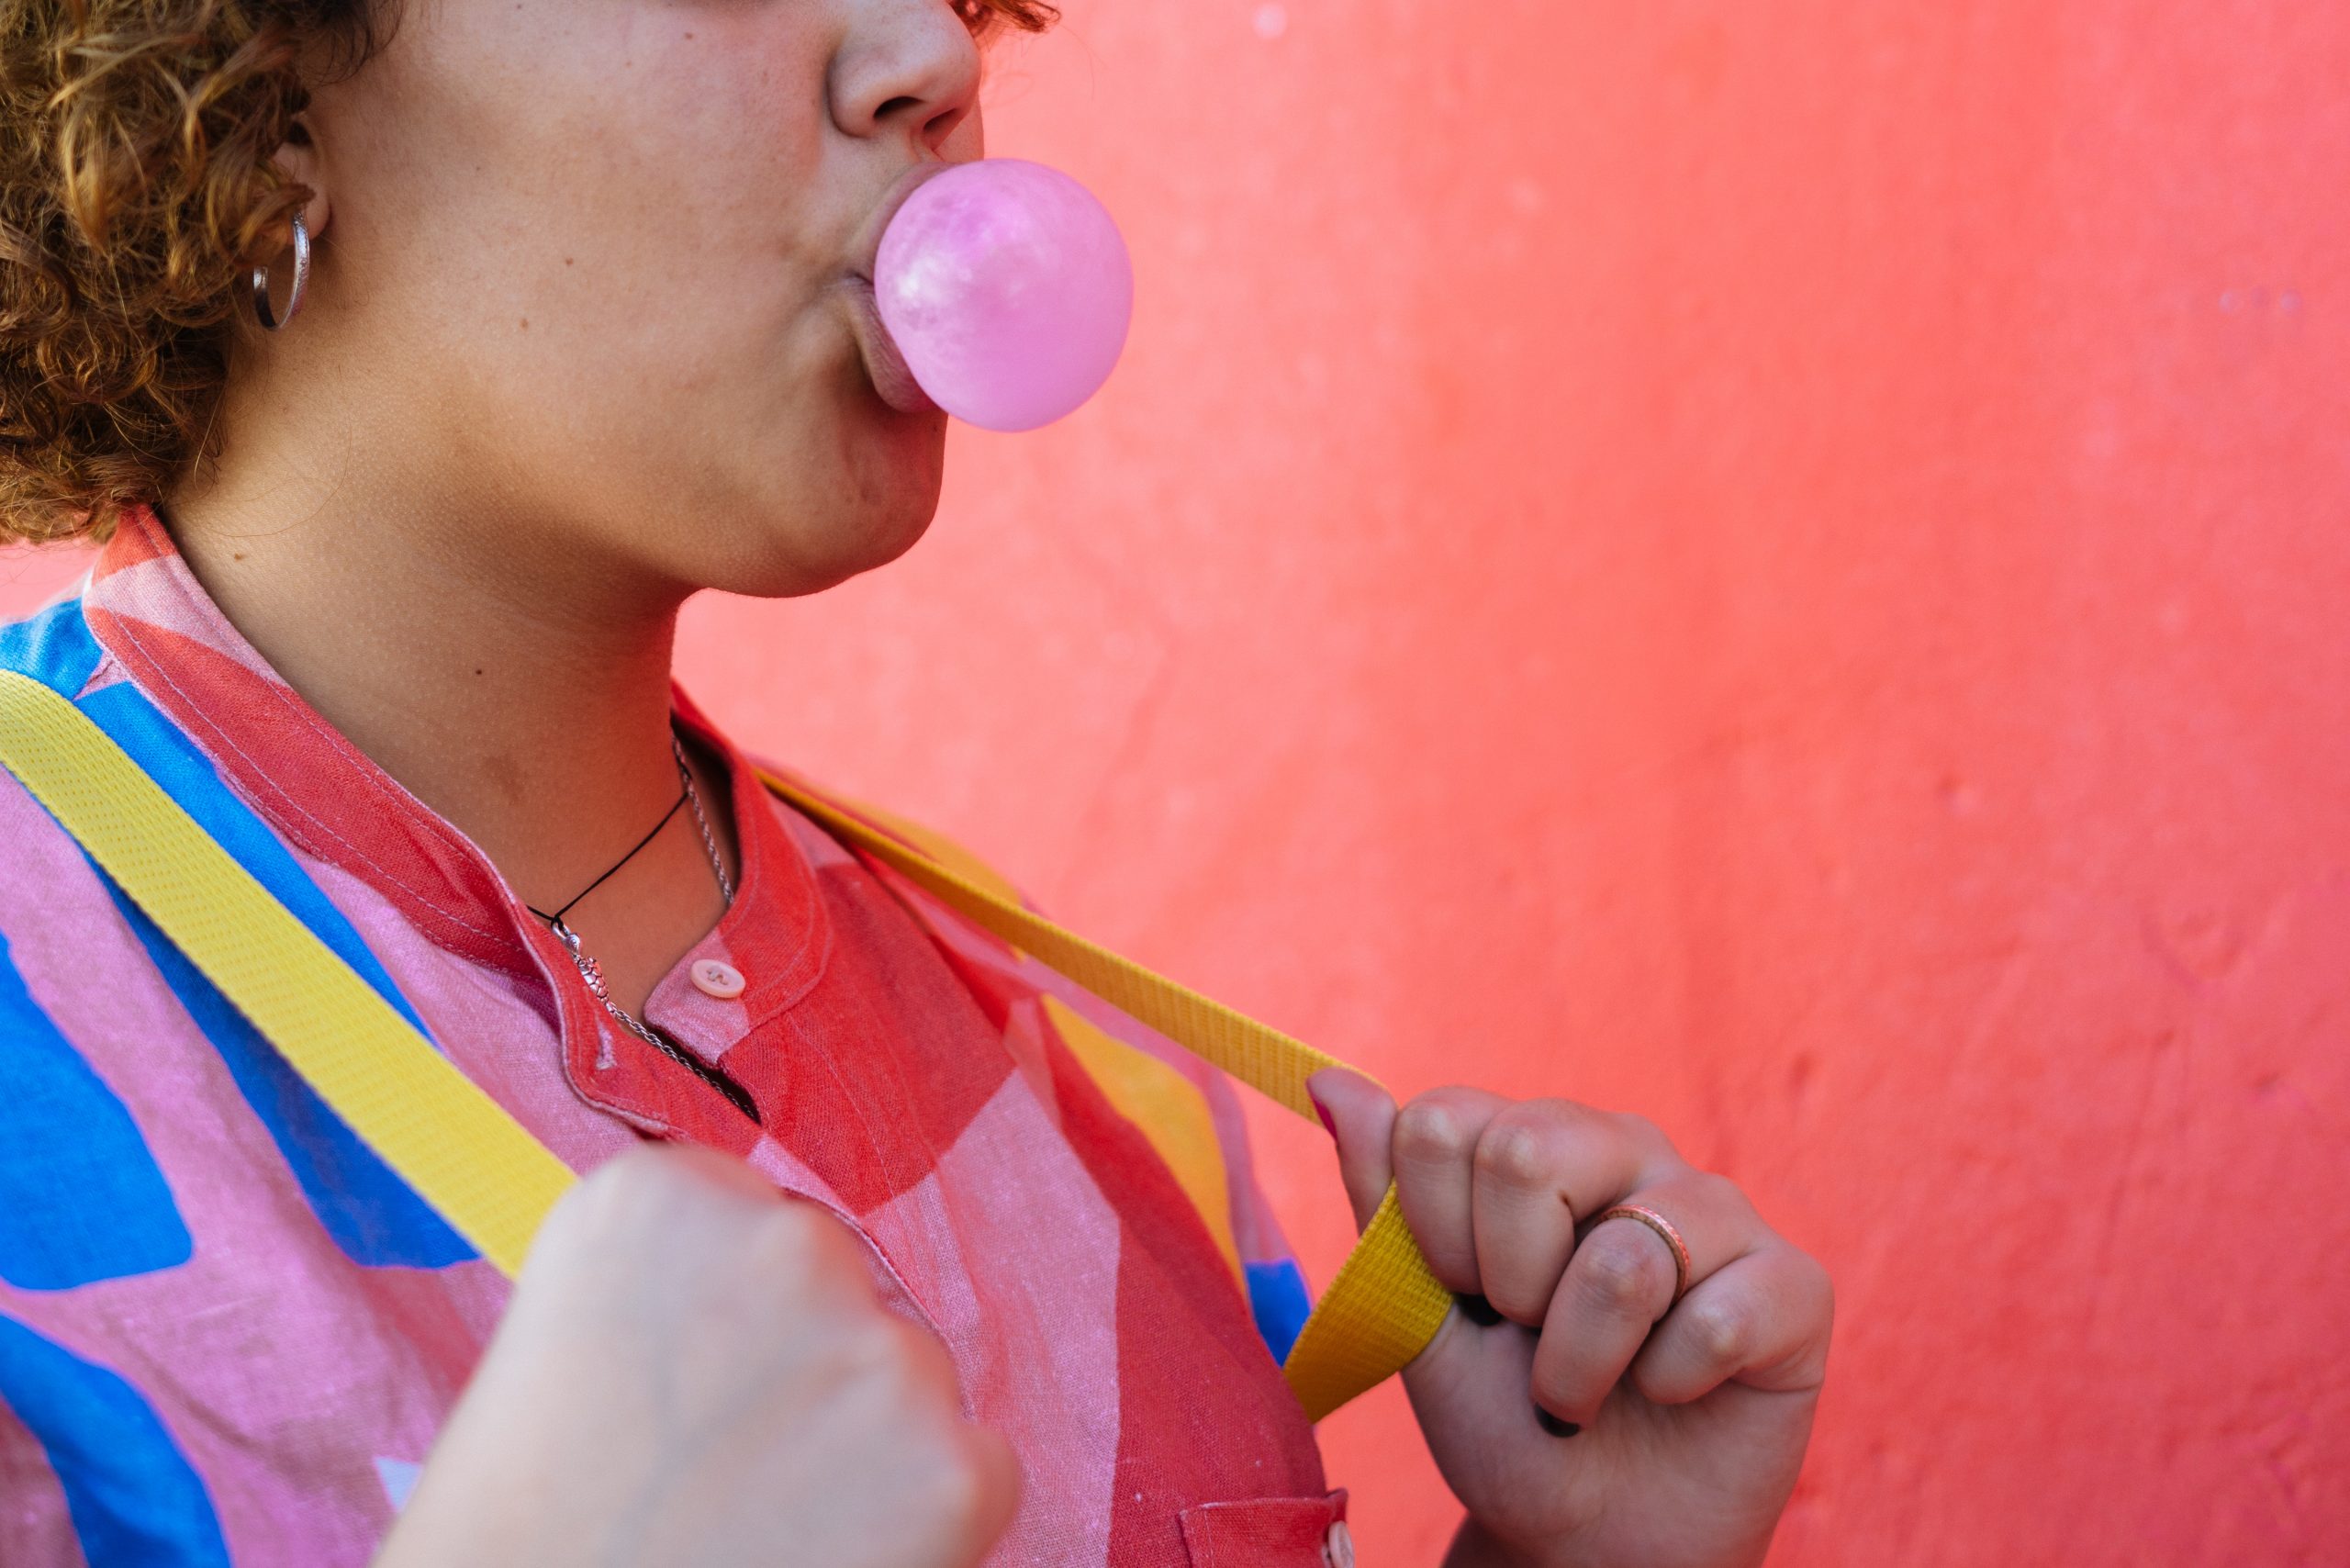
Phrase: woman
(385, 601)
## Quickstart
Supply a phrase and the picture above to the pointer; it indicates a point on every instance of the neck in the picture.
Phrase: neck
(517, 689)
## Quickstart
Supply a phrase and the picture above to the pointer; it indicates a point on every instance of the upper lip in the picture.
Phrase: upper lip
(863, 254)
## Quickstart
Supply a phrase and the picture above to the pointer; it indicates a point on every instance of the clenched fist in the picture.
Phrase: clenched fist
(1629, 1380)
(694, 1373)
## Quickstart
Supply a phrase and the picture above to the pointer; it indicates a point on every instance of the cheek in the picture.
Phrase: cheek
(646, 173)
(606, 269)
(731, 109)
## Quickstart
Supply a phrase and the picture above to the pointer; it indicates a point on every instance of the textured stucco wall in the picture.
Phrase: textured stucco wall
(1786, 566)
(1783, 565)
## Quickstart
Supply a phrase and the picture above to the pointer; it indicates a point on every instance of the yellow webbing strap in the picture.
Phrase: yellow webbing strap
(481, 1169)
(477, 1166)
(1384, 1305)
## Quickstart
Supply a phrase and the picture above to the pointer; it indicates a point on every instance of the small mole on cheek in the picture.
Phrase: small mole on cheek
(235, 554)
(567, 261)
(476, 669)
(526, 323)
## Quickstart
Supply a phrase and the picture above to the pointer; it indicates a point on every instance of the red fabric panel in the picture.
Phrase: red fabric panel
(1278, 1533)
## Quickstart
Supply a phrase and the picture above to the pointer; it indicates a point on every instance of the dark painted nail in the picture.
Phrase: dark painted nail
(1322, 1111)
(1478, 1310)
(1553, 1426)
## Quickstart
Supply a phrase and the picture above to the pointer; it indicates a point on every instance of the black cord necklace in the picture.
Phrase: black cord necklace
(593, 973)
(684, 789)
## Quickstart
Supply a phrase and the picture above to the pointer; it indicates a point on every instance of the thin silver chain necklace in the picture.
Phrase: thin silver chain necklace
(593, 973)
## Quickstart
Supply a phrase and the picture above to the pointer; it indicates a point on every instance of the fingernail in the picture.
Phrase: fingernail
(1323, 1112)
(1478, 1310)
(1553, 1426)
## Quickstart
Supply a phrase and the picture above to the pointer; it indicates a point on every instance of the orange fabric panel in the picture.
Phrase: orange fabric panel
(1170, 1112)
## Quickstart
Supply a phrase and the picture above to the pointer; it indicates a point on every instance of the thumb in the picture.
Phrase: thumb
(1362, 1116)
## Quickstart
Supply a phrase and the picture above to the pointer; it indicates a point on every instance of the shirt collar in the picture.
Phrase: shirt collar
(327, 797)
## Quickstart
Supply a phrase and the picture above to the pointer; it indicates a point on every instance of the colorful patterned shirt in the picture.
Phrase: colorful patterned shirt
(229, 1333)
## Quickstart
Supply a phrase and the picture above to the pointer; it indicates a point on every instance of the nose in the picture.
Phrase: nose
(904, 68)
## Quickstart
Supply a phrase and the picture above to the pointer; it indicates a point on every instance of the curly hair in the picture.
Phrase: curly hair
(137, 190)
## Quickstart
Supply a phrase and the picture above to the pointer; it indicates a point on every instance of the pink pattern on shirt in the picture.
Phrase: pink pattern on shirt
(905, 1074)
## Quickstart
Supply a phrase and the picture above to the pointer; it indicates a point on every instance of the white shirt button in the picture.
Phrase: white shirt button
(711, 977)
(1338, 1546)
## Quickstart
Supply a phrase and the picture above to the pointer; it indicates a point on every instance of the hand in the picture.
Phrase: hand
(694, 1373)
(1691, 1414)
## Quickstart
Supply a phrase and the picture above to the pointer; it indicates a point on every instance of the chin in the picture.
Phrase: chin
(803, 538)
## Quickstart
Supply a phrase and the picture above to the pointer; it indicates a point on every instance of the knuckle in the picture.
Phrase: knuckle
(941, 1477)
(1517, 1151)
(659, 1193)
(1817, 1287)
(952, 1487)
(1623, 1274)
(623, 1196)
(924, 1364)
(1648, 1141)
(896, 1347)
(895, 1369)
(1572, 1118)
(1722, 1330)
(1642, 1134)
(635, 1177)
(1431, 1131)
(1719, 1194)
(863, 1353)
(785, 1248)
(802, 1253)
(804, 1232)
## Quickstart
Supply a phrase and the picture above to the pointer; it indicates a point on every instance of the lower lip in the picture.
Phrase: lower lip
(884, 365)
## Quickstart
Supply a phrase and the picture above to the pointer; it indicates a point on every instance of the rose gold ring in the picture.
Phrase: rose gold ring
(1664, 1227)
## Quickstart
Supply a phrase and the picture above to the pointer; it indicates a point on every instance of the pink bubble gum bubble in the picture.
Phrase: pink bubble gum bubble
(1007, 290)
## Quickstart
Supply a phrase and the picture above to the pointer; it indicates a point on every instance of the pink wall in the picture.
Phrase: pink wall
(1785, 566)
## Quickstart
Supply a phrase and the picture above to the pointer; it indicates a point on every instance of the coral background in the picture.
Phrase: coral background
(1784, 566)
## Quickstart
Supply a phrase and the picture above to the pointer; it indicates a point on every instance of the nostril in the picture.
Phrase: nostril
(902, 101)
(942, 125)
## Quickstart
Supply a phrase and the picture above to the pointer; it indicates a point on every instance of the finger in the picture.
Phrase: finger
(980, 1494)
(1361, 1117)
(1620, 1282)
(976, 1498)
(1539, 1166)
(1434, 1147)
(711, 1168)
(650, 1196)
(1762, 1320)
(997, 1488)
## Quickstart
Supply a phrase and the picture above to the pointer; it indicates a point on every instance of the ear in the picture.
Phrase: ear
(301, 161)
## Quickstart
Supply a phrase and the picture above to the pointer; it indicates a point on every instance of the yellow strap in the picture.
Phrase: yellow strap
(481, 1169)
(463, 1155)
(1384, 1305)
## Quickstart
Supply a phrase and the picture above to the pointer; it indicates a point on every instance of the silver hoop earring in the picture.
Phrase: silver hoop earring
(270, 321)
